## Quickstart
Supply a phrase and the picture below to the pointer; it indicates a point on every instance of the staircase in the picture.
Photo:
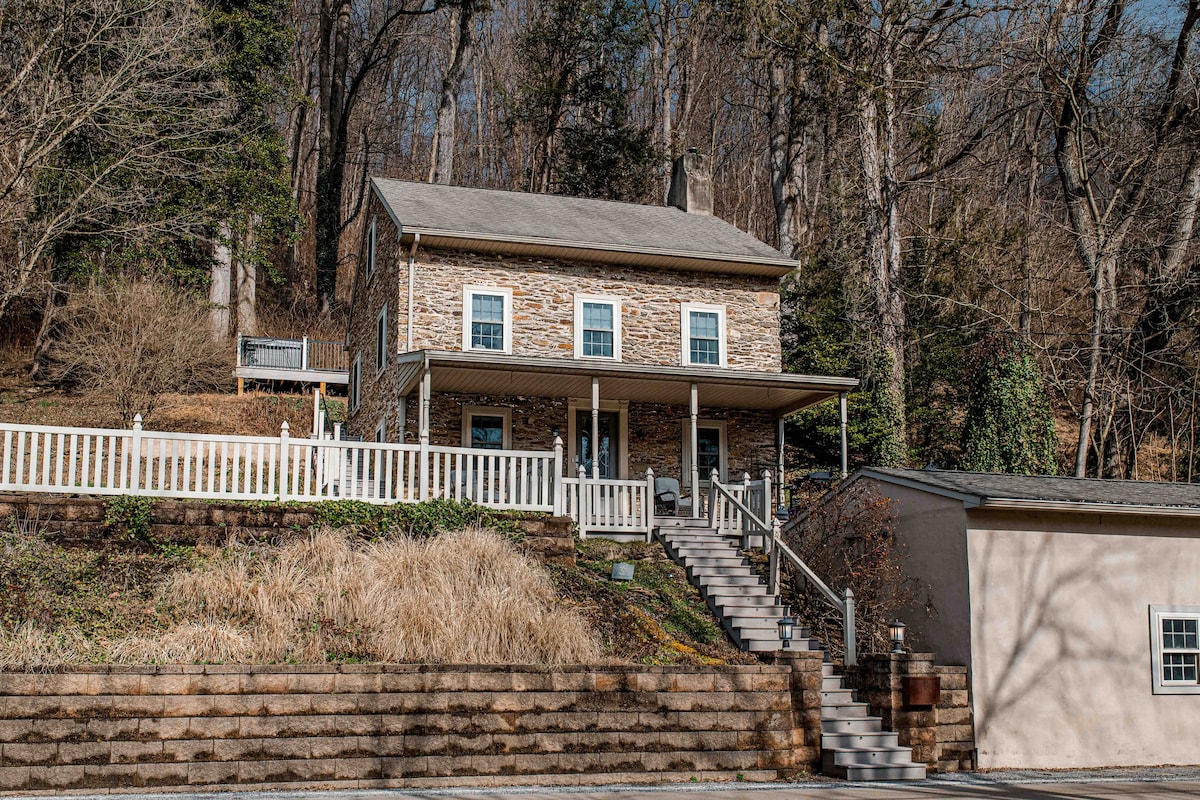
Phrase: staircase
(854, 745)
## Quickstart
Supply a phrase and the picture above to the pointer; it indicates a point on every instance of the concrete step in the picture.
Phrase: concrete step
(757, 645)
(861, 724)
(827, 670)
(745, 623)
(867, 741)
(845, 709)
(746, 590)
(703, 551)
(697, 571)
(747, 605)
(831, 682)
(862, 756)
(713, 581)
(681, 522)
(836, 696)
(711, 558)
(878, 772)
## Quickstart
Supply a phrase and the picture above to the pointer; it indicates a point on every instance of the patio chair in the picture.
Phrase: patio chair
(667, 499)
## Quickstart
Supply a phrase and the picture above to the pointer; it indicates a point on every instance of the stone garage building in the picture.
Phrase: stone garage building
(1075, 604)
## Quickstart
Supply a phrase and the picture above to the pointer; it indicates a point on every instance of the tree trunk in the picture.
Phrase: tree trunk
(331, 157)
(219, 286)
(247, 288)
(462, 38)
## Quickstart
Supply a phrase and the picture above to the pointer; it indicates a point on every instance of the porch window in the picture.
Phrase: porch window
(711, 449)
(486, 428)
(1175, 642)
(703, 335)
(597, 327)
(487, 319)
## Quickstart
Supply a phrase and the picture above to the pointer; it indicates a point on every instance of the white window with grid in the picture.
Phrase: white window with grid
(702, 335)
(487, 319)
(1175, 644)
(597, 327)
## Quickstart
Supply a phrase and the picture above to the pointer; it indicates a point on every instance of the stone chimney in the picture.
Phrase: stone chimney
(691, 183)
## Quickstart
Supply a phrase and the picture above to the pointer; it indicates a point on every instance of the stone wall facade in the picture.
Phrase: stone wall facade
(941, 735)
(543, 309)
(199, 728)
(80, 520)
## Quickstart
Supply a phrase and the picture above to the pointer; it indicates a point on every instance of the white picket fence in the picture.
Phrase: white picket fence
(98, 461)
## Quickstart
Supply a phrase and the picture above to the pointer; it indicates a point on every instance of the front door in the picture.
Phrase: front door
(605, 453)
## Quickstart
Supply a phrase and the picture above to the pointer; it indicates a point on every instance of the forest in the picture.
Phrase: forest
(992, 204)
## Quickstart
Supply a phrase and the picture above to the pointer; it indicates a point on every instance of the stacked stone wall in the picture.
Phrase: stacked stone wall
(941, 735)
(80, 520)
(370, 726)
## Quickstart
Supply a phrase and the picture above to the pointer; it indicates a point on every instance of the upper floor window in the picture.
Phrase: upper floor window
(703, 339)
(597, 327)
(487, 319)
(372, 236)
(1175, 642)
(381, 340)
(356, 382)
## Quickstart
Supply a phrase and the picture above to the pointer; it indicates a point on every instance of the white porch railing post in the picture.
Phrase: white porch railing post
(304, 353)
(745, 522)
(135, 457)
(285, 445)
(556, 484)
(714, 520)
(768, 497)
(848, 629)
(583, 502)
(773, 560)
(648, 503)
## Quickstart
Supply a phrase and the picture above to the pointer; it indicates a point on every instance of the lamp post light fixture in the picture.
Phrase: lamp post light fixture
(787, 626)
(896, 629)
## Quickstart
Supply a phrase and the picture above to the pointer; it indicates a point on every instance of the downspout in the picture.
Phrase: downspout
(412, 283)
(842, 426)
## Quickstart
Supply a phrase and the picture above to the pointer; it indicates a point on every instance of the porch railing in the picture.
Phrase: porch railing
(99, 461)
(311, 355)
(748, 508)
(604, 505)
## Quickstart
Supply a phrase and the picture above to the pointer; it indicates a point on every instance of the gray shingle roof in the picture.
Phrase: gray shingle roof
(1053, 489)
(570, 221)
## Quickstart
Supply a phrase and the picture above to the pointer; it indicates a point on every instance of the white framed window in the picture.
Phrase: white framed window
(487, 428)
(356, 381)
(597, 327)
(1175, 646)
(381, 323)
(381, 430)
(487, 319)
(372, 239)
(712, 450)
(703, 339)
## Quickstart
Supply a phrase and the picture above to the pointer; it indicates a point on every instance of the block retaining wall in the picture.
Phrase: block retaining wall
(80, 520)
(379, 726)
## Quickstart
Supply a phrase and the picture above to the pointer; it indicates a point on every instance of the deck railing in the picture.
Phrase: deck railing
(314, 355)
(98, 461)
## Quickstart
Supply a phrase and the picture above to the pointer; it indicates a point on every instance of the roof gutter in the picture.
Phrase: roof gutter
(785, 265)
(1068, 506)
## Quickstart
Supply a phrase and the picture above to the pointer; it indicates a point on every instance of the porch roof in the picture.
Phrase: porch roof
(521, 376)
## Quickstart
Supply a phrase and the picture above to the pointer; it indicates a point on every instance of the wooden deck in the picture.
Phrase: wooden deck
(315, 361)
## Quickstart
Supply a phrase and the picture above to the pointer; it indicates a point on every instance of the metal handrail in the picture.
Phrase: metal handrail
(773, 545)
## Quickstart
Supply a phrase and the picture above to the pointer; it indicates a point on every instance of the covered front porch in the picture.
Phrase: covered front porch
(616, 421)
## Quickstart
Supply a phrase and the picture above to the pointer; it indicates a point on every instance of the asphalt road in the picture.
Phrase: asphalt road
(1140, 784)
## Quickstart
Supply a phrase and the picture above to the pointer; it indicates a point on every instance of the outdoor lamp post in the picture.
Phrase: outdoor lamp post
(896, 629)
(787, 626)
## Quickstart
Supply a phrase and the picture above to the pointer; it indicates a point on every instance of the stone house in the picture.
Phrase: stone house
(1075, 604)
(502, 320)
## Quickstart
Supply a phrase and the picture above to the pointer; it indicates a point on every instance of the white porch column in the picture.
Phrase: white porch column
(842, 422)
(694, 448)
(780, 499)
(595, 427)
(423, 467)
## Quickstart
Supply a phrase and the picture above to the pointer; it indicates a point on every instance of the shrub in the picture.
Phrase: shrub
(848, 540)
(134, 341)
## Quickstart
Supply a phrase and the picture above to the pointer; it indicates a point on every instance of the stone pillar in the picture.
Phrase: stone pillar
(806, 704)
(880, 681)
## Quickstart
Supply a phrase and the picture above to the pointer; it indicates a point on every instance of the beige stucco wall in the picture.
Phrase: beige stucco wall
(933, 530)
(1060, 639)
